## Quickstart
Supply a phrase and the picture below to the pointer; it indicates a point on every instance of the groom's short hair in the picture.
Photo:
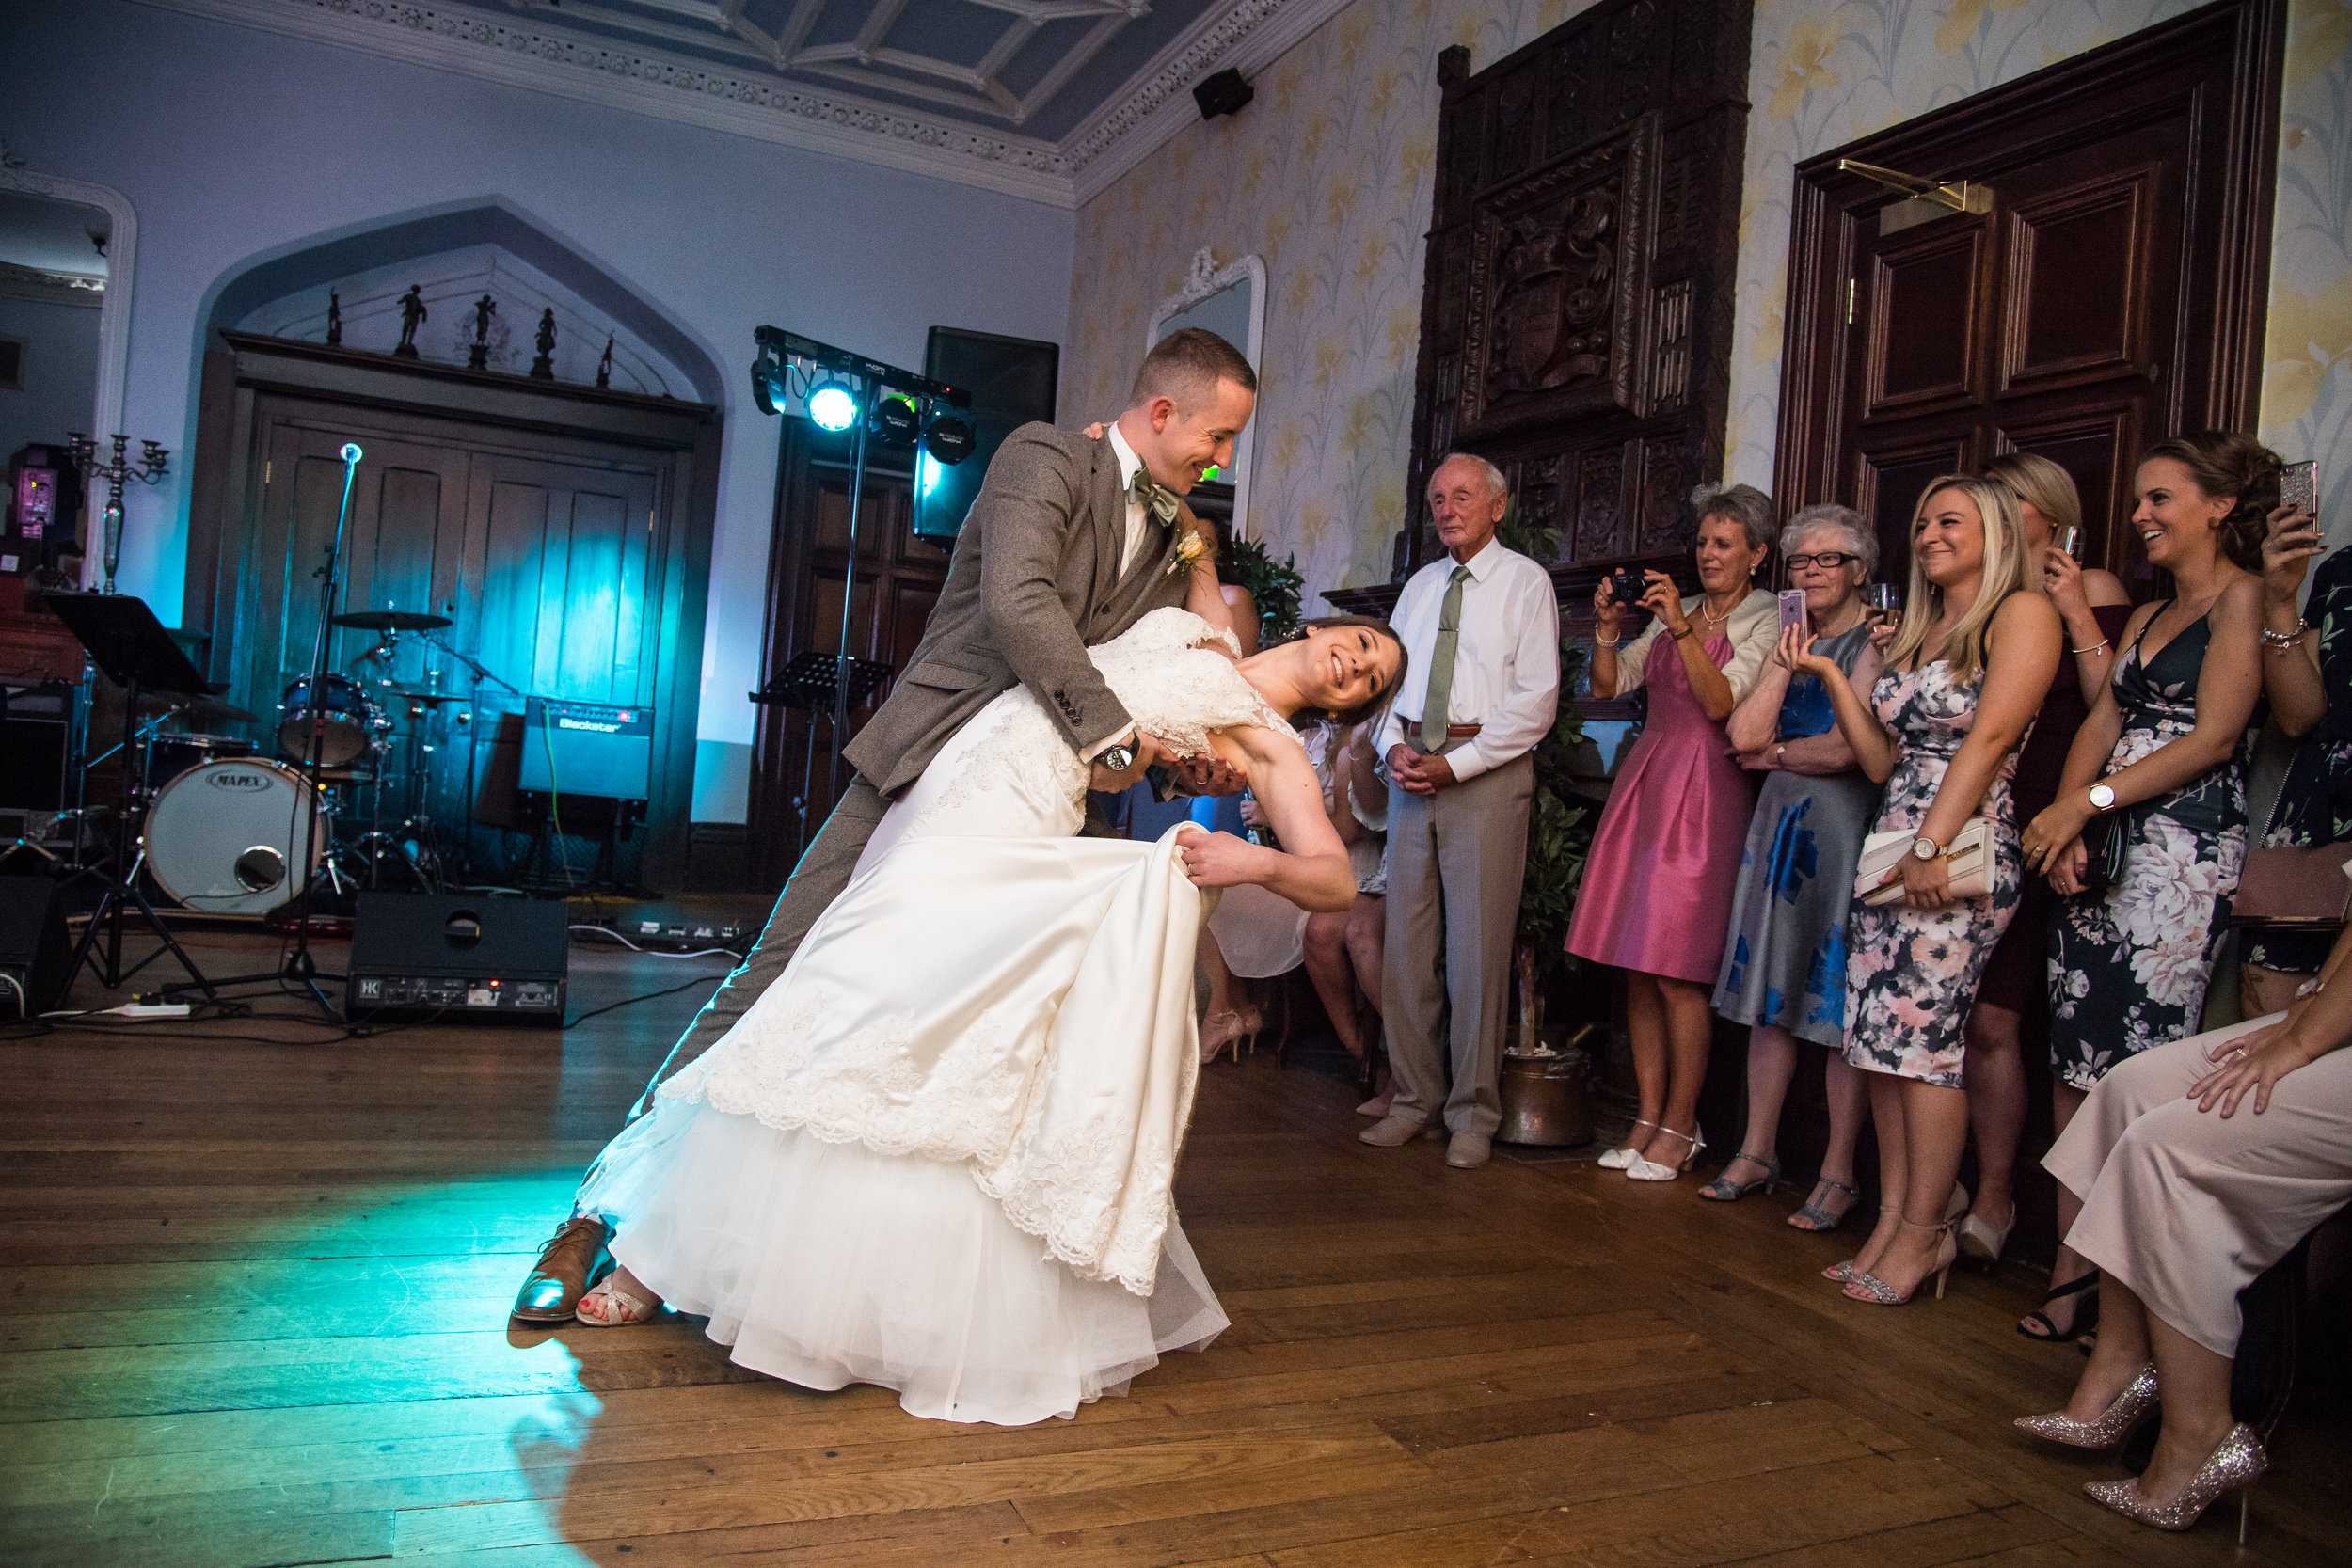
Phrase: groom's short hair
(1186, 365)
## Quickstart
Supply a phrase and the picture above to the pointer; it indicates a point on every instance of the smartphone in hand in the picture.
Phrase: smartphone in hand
(1791, 610)
(2299, 487)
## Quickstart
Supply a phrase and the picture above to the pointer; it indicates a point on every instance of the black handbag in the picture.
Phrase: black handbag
(2105, 842)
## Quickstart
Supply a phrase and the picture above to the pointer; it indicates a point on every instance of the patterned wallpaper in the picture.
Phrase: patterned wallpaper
(1329, 177)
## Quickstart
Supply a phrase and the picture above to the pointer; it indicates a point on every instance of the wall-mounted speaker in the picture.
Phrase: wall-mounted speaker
(436, 958)
(1013, 381)
(1222, 92)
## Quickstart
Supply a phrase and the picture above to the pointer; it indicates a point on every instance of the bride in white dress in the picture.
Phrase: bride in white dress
(937, 1153)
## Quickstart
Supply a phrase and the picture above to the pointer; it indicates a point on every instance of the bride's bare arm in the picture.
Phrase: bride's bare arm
(1312, 869)
(1203, 595)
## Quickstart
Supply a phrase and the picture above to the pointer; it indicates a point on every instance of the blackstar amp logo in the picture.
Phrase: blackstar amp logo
(230, 778)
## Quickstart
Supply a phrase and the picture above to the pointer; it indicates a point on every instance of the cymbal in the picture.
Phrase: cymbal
(390, 620)
(434, 699)
(202, 711)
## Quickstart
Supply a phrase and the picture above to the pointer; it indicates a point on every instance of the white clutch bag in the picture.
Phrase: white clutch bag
(1967, 859)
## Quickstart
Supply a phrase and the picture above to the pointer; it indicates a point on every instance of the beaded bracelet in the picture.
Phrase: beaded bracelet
(2282, 641)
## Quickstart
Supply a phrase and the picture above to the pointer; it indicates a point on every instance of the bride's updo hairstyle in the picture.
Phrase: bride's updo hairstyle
(1379, 700)
(2230, 463)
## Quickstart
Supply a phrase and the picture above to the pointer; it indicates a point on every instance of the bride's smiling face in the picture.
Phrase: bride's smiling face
(1347, 667)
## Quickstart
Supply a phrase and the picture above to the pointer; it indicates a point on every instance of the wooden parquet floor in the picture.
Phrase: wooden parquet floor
(254, 1313)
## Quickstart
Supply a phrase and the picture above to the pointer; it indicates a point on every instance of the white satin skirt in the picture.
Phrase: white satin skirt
(826, 1264)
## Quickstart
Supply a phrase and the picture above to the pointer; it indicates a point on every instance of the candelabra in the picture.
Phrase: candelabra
(116, 472)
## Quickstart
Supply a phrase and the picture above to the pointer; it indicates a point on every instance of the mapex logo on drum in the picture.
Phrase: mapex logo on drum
(229, 779)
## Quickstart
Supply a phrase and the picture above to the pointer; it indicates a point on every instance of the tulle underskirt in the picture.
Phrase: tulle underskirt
(826, 1264)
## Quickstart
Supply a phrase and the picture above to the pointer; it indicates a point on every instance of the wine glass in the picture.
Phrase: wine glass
(1886, 600)
(2068, 542)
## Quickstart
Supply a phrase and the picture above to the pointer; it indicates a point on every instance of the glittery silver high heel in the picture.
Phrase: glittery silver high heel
(2111, 1426)
(2234, 1465)
(1839, 1273)
(1877, 1292)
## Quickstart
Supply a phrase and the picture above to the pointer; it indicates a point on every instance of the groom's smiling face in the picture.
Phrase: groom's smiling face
(1195, 435)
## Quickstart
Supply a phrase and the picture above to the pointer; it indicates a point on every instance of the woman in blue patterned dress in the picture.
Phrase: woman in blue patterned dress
(1963, 679)
(1784, 970)
(2308, 678)
(2167, 746)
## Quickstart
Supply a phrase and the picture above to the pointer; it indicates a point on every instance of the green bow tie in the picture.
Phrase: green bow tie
(1157, 499)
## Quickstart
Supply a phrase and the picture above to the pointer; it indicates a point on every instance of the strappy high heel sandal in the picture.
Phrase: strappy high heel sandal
(609, 1307)
(1221, 1030)
(1725, 1190)
(1877, 1292)
(1644, 1168)
(1617, 1159)
(1843, 1273)
(1817, 1218)
(2086, 1310)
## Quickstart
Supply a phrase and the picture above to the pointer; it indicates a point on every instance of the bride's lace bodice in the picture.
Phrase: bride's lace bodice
(1009, 772)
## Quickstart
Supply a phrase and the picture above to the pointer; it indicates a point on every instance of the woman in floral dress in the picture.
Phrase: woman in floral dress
(2165, 748)
(1967, 671)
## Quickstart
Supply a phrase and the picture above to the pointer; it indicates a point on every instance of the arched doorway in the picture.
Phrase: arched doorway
(564, 529)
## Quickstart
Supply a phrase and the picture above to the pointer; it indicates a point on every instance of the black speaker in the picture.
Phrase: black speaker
(1013, 382)
(36, 729)
(1224, 93)
(33, 947)
(417, 956)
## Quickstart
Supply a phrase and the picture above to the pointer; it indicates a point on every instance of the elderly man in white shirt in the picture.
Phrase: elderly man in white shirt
(1484, 624)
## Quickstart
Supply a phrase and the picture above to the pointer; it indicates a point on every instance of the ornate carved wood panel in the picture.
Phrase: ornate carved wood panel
(1576, 299)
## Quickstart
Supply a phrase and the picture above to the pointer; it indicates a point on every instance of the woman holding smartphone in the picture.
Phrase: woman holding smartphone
(2093, 605)
(1965, 674)
(2307, 674)
(1784, 970)
(1656, 889)
(2166, 746)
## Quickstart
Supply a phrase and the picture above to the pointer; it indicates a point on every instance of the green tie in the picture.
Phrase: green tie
(1432, 716)
(1158, 501)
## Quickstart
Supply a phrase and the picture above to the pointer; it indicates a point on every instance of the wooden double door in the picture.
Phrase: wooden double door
(2110, 295)
(556, 556)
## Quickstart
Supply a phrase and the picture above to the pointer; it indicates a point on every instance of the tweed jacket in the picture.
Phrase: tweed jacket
(1033, 582)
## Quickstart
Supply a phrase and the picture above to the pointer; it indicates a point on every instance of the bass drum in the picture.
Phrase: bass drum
(222, 838)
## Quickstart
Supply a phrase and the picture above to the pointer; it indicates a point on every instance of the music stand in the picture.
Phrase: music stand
(840, 682)
(134, 651)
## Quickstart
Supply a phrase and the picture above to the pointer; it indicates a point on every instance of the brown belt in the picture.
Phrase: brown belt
(1453, 733)
(1462, 732)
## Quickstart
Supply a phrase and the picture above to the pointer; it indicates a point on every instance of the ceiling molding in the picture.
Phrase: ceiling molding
(1148, 110)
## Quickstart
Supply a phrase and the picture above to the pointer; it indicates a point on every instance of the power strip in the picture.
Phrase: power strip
(154, 1009)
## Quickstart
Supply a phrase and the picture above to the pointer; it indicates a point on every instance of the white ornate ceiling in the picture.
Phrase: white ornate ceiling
(1045, 99)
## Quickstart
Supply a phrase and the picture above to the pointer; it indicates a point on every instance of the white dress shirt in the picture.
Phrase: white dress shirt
(1506, 658)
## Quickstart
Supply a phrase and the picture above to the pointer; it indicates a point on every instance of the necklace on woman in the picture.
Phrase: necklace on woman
(1712, 618)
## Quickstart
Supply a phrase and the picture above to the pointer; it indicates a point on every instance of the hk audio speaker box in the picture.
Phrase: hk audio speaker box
(1012, 381)
(34, 952)
(35, 744)
(458, 959)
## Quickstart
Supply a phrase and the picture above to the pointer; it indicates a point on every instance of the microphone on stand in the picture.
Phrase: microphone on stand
(351, 453)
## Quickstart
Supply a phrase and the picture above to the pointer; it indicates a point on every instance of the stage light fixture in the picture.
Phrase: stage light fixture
(896, 421)
(926, 472)
(834, 406)
(949, 440)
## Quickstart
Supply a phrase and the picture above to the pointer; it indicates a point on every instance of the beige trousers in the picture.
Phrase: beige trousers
(1455, 861)
(2187, 1208)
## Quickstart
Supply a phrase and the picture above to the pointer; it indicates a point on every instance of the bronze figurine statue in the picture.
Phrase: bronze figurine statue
(412, 314)
(478, 358)
(543, 367)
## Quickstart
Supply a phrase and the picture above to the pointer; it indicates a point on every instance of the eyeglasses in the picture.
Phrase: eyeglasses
(1828, 561)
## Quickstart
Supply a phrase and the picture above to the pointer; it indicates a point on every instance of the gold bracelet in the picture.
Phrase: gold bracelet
(2092, 649)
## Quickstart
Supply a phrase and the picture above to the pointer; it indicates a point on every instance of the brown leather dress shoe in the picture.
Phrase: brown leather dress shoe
(564, 1272)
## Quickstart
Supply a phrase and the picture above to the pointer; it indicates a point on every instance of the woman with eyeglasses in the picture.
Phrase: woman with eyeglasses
(1784, 969)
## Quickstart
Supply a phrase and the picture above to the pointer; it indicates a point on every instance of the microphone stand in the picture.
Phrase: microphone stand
(471, 720)
(299, 965)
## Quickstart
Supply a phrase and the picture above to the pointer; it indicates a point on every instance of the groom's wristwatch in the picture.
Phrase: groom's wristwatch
(1117, 756)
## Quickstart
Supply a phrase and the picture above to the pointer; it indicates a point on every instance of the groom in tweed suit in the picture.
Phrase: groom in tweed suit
(1066, 546)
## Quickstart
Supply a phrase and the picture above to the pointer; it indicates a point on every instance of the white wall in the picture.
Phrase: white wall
(235, 145)
(61, 371)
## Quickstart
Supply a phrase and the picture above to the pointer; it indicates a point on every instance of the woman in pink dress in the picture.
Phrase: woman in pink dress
(1655, 899)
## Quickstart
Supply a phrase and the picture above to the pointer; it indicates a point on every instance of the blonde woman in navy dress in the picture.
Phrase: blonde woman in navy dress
(1965, 675)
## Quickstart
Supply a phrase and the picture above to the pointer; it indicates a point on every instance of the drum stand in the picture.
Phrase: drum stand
(300, 966)
(130, 646)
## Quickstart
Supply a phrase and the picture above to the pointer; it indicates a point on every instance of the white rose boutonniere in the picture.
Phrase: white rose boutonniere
(1190, 549)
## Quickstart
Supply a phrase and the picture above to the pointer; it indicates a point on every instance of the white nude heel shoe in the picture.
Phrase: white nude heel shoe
(1617, 1159)
(1646, 1170)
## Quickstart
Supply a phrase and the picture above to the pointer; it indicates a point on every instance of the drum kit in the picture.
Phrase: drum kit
(216, 812)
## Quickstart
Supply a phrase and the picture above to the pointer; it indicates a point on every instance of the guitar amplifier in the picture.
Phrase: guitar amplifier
(427, 957)
(586, 749)
(36, 733)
